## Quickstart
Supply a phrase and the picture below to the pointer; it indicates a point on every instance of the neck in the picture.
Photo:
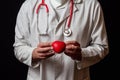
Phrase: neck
(61, 1)
(58, 3)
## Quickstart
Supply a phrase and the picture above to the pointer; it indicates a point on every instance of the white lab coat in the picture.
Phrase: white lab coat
(88, 28)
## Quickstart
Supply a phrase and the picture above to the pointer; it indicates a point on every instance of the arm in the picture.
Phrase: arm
(24, 52)
(98, 47)
(22, 48)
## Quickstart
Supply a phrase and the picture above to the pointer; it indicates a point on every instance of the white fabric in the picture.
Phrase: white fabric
(59, 8)
(87, 27)
(58, 3)
(61, 1)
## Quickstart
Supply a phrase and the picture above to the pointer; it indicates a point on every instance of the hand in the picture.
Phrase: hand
(43, 51)
(73, 50)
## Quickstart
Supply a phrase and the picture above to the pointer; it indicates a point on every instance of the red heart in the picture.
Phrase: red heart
(58, 46)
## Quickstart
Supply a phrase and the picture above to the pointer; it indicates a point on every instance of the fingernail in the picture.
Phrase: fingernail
(52, 48)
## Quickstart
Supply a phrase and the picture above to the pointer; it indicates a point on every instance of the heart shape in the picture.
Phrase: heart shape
(58, 46)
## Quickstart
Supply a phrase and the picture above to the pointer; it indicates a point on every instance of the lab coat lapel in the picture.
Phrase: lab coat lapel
(66, 14)
(78, 1)
(62, 23)
(52, 14)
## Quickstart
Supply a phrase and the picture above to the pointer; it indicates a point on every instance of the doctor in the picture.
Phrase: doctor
(79, 23)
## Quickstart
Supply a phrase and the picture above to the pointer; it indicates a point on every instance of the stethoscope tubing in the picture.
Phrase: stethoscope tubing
(47, 10)
(42, 4)
(67, 32)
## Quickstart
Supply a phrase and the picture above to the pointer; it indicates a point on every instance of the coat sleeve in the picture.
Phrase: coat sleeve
(22, 48)
(98, 46)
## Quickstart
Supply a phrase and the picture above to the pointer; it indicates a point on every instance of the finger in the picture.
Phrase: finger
(45, 55)
(70, 42)
(44, 44)
(45, 49)
(52, 51)
(68, 51)
(49, 55)
(73, 43)
(70, 47)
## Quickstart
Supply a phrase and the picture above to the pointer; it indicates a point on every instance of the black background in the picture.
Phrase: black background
(12, 69)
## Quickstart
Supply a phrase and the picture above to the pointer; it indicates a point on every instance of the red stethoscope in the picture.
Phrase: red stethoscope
(67, 32)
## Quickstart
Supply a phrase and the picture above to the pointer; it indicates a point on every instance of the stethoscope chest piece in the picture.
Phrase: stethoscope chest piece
(67, 32)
